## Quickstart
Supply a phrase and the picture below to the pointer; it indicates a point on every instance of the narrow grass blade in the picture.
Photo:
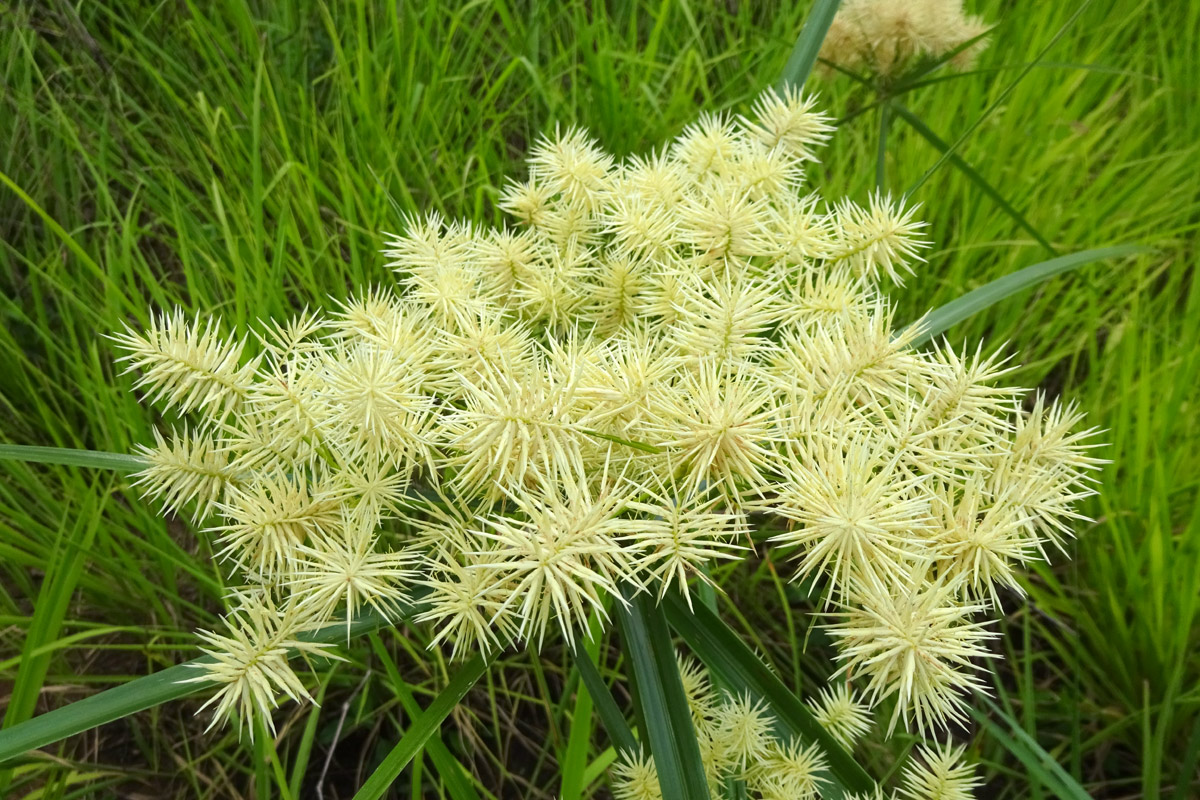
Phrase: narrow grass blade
(605, 705)
(1030, 753)
(885, 121)
(138, 695)
(723, 651)
(645, 448)
(1187, 770)
(808, 44)
(300, 760)
(966, 169)
(71, 457)
(909, 80)
(422, 728)
(450, 770)
(1000, 99)
(977, 300)
(669, 730)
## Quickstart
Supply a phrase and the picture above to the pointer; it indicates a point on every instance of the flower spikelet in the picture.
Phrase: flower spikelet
(635, 778)
(919, 647)
(186, 366)
(841, 714)
(938, 774)
(188, 468)
(250, 664)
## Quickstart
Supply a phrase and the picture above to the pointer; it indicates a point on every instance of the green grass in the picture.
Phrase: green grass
(242, 160)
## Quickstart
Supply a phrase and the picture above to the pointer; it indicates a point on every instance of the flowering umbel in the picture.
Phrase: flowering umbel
(533, 422)
(883, 37)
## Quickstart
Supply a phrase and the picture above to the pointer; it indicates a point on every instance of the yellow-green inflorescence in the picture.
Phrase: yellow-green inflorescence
(883, 38)
(529, 418)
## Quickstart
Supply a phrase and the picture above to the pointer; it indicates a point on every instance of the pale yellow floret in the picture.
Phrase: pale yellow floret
(678, 538)
(921, 647)
(788, 771)
(842, 714)
(718, 420)
(706, 146)
(857, 517)
(187, 367)
(790, 122)
(635, 778)
(724, 319)
(880, 240)
(187, 469)
(572, 164)
(528, 202)
(348, 570)
(701, 698)
(938, 774)
(886, 37)
(270, 518)
(250, 664)
(561, 557)
(515, 430)
(743, 724)
(980, 541)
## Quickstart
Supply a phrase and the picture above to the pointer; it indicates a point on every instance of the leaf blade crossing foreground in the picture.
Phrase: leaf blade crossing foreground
(646, 640)
(971, 303)
(152, 690)
(724, 652)
(427, 723)
(70, 457)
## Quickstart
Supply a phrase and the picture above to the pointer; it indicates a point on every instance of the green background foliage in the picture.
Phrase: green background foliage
(241, 159)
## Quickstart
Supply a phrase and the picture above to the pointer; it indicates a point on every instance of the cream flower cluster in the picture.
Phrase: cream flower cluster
(535, 421)
(738, 745)
(884, 37)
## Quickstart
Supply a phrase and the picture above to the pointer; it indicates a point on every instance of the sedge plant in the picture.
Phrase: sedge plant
(563, 419)
(536, 422)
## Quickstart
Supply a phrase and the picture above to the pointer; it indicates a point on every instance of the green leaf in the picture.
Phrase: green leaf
(966, 169)
(910, 79)
(1030, 753)
(940, 319)
(138, 695)
(668, 721)
(645, 448)
(885, 122)
(808, 44)
(422, 728)
(719, 647)
(71, 458)
(605, 705)
(453, 774)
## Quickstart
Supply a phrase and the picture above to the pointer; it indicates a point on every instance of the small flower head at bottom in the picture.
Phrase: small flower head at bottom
(916, 645)
(251, 666)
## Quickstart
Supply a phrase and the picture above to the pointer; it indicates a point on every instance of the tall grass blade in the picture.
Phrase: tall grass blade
(453, 774)
(966, 169)
(977, 300)
(1039, 763)
(71, 457)
(651, 655)
(808, 44)
(606, 706)
(422, 728)
(727, 655)
(138, 695)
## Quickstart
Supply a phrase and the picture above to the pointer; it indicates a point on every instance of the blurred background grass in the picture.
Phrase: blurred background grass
(241, 159)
